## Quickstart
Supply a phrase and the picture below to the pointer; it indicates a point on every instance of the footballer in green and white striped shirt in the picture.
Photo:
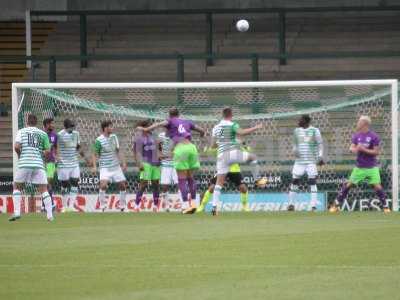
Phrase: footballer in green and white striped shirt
(308, 151)
(106, 149)
(31, 145)
(68, 172)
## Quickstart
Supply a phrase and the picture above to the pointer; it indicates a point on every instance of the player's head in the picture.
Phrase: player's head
(144, 123)
(227, 113)
(173, 113)
(48, 124)
(32, 120)
(69, 125)
(106, 126)
(304, 121)
(363, 123)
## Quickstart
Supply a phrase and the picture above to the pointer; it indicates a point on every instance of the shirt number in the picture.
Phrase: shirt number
(181, 129)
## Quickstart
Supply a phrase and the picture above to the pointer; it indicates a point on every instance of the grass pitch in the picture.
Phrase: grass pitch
(171, 256)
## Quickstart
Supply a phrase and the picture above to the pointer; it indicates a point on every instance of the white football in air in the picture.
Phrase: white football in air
(242, 25)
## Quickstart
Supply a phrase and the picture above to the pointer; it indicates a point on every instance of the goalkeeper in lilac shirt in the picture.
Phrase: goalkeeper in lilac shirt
(185, 155)
(364, 143)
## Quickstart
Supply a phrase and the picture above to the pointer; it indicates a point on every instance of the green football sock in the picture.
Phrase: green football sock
(204, 201)
(244, 198)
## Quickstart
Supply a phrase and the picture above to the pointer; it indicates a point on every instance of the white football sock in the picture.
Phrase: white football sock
(314, 196)
(72, 196)
(102, 199)
(216, 195)
(293, 193)
(122, 199)
(17, 202)
(47, 205)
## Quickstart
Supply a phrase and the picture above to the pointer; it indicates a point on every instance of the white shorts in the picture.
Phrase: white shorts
(65, 174)
(35, 176)
(112, 175)
(300, 169)
(168, 176)
(227, 158)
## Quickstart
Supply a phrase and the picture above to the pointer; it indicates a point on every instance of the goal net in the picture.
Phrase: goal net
(334, 107)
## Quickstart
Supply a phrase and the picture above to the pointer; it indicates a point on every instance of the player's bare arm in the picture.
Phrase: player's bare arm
(153, 126)
(250, 130)
(94, 163)
(17, 149)
(375, 151)
(199, 130)
(121, 158)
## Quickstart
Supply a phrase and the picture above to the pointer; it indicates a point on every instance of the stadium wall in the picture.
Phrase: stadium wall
(15, 10)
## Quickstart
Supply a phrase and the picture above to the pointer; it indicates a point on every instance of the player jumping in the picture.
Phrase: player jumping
(364, 143)
(186, 157)
(111, 164)
(145, 150)
(308, 150)
(68, 171)
(31, 144)
(224, 136)
(234, 176)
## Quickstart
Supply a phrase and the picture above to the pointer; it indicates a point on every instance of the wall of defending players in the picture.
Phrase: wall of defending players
(273, 200)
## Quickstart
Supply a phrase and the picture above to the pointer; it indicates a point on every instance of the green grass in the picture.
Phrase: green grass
(170, 256)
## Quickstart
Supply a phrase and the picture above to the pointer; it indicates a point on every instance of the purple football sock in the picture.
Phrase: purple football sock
(156, 197)
(344, 191)
(382, 197)
(192, 187)
(182, 183)
(139, 196)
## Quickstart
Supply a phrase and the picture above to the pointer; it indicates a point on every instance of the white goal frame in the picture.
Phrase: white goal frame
(392, 83)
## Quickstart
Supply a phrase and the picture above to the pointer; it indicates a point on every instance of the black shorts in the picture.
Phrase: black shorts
(234, 178)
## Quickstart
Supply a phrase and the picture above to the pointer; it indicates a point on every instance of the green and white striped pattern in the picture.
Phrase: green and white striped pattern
(224, 135)
(33, 142)
(67, 147)
(106, 148)
(166, 148)
(307, 145)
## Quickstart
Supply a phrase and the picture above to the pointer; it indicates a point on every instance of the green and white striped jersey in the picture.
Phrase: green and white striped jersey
(68, 149)
(107, 149)
(33, 142)
(166, 149)
(307, 145)
(224, 135)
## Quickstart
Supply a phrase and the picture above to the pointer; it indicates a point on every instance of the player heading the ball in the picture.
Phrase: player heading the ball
(185, 154)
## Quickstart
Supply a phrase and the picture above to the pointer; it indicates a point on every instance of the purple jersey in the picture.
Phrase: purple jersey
(179, 129)
(53, 146)
(146, 147)
(369, 140)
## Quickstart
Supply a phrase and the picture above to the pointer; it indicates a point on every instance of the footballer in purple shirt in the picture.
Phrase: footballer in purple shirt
(365, 144)
(48, 126)
(185, 155)
(145, 151)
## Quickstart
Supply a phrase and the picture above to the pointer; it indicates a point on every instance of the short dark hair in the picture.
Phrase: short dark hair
(32, 120)
(144, 123)
(174, 112)
(227, 112)
(47, 121)
(105, 124)
(306, 118)
(68, 123)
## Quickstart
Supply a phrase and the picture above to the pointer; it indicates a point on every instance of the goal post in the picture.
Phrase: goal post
(334, 106)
